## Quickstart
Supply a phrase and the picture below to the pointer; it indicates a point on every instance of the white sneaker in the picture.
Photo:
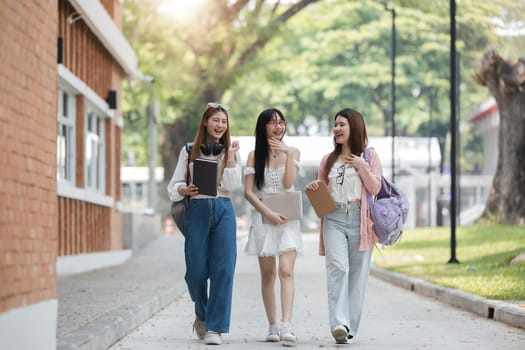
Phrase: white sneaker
(273, 334)
(287, 335)
(212, 338)
(340, 334)
(199, 327)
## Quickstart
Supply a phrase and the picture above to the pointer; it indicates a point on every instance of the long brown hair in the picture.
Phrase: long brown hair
(357, 140)
(202, 133)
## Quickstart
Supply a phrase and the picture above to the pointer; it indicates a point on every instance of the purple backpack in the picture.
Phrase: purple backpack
(388, 211)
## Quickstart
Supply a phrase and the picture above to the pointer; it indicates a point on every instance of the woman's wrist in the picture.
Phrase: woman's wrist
(231, 160)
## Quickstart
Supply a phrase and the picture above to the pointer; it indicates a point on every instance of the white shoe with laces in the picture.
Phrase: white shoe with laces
(340, 334)
(199, 327)
(212, 338)
(287, 335)
(273, 334)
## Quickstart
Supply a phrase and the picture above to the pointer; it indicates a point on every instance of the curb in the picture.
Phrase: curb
(489, 308)
(107, 330)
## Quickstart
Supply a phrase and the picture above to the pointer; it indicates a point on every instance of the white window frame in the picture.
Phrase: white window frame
(66, 144)
(73, 84)
(95, 149)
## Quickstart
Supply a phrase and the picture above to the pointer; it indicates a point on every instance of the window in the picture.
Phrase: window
(92, 115)
(66, 136)
(95, 151)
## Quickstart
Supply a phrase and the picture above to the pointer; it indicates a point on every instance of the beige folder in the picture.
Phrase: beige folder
(321, 200)
(289, 204)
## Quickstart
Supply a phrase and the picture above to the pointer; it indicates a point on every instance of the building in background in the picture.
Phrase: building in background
(61, 67)
(486, 121)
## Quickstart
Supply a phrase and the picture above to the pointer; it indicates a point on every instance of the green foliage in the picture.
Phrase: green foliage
(331, 54)
(484, 252)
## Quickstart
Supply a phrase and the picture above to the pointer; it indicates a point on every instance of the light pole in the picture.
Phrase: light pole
(453, 134)
(417, 91)
(430, 92)
(151, 113)
(392, 10)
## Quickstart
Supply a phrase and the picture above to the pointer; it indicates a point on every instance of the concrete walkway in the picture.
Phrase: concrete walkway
(98, 308)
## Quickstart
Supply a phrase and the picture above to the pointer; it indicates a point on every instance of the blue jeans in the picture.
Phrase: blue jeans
(346, 267)
(211, 251)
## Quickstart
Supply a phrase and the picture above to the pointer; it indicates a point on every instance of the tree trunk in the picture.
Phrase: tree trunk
(506, 82)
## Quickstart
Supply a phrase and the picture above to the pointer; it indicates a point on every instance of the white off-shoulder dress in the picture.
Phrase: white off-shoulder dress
(267, 239)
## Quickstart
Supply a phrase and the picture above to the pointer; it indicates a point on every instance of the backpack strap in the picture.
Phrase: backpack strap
(188, 146)
(369, 198)
(367, 155)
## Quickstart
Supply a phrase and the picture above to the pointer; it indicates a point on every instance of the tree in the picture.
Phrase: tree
(208, 53)
(306, 60)
(506, 82)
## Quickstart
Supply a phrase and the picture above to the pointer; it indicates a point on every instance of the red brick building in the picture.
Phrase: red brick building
(61, 67)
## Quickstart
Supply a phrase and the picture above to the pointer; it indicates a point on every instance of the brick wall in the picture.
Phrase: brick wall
(86, 227)
(84, 54)
(28, 131)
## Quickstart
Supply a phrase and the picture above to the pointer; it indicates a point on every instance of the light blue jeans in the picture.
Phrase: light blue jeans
(346, 267)
(211, 251)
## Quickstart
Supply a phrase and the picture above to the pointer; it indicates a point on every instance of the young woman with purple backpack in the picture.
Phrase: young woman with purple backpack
(347, 237)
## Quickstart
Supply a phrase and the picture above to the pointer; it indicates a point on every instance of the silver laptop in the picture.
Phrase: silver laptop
(289, 204)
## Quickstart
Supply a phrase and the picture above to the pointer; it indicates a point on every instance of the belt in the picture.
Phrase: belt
(349, 203)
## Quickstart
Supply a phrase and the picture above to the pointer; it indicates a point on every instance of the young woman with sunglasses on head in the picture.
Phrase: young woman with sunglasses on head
(210, 246)
(272, 168)
(347, 237)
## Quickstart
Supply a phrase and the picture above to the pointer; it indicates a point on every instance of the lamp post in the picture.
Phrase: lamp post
(430, 169)
(430, 93)
(392, 10)
(453, 134)
(152, 112)
(417, 91)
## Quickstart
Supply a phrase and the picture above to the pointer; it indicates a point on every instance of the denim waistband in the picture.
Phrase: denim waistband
(348, 204)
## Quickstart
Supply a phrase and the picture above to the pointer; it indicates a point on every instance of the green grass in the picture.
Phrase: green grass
(484, 253)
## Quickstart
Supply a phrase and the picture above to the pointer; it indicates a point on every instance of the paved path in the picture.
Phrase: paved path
(97, 308)
(393, 318)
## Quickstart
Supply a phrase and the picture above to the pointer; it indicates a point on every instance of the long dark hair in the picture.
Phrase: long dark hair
(202, 134)
(261, 142)
(357, 140)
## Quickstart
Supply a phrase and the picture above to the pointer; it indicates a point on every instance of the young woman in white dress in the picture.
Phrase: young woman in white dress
(272, 168)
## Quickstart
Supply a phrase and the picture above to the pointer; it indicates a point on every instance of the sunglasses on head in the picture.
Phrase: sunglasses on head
(218, 105)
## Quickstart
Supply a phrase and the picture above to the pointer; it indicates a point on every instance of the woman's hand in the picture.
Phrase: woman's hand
(234, 147)
(276, 218)
(190, 190)
(232, 151)
(353, 161)
(277, 145)
(313, 186)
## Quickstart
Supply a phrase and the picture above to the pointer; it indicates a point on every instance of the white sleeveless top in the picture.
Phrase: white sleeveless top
(344, 188)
